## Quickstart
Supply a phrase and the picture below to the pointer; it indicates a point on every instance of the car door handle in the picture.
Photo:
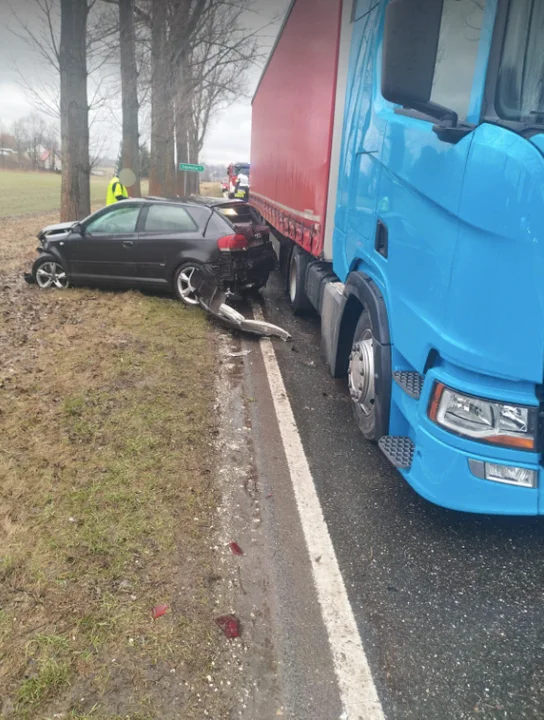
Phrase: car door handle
(128, 243)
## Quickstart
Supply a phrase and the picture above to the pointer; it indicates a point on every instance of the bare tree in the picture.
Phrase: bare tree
(211, 51)
(129, 93)
(161, 175)
(52, 142)
(37, 131)
(19, 131)
(74, 118)
(122, 48)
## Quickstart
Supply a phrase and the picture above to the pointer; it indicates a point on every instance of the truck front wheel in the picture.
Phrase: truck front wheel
(362, 377)
(296, 281)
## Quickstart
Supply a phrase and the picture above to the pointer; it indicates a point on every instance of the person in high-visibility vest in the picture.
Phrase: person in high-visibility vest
(116, 191)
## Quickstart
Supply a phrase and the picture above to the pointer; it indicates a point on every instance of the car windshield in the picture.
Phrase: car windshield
(520, 90)
(242, 169)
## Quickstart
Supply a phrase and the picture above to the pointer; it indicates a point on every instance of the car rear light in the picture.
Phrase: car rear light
(233, 242)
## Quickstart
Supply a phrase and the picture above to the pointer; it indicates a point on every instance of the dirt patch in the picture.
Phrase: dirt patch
(107, 501)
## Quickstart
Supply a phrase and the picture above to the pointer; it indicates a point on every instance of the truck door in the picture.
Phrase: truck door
(420, 190)
(355, 218)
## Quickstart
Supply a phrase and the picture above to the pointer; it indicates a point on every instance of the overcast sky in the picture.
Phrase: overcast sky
(229, 134)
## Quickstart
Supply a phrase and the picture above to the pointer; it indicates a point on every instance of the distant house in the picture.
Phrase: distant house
(50, 160)
(7, 142)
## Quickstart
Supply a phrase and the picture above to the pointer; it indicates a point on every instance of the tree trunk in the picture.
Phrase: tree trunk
(74, 116)
(193, 159)
(182, 128)
(182, 154)
(129, 94)
(161, 175)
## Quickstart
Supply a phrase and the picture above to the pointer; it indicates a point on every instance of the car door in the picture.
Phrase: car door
(165, 230)
(105, 252)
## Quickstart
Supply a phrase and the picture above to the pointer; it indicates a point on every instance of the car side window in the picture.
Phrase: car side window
(169, 219)
(460, 32)
(120, 219)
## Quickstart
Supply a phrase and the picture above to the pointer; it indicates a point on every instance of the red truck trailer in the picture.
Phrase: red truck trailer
(292, 128)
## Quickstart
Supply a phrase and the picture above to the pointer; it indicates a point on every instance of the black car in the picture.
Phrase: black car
(158, 243)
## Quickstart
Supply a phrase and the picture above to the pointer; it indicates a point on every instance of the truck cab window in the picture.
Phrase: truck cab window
(520, 90)
(457, 53)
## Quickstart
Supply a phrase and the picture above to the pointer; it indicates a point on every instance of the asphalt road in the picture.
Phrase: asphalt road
(450, 606)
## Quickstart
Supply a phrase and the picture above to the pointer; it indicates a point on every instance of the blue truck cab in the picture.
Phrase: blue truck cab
(436, 308)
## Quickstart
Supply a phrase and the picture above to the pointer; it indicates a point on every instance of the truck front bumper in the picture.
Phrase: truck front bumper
(441, 466)
(442, 475)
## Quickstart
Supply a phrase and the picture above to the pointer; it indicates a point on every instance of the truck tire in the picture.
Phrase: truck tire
(365, 399)
(296, 281)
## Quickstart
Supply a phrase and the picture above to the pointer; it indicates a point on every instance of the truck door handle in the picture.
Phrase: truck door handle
(127, 243)
(381, 242)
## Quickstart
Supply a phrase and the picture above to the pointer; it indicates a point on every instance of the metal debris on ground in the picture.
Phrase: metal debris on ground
(240, 354)
(213, 300)
(230, 625)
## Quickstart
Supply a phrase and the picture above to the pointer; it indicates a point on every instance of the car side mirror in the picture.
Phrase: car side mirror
(410, 48)
(78, 229)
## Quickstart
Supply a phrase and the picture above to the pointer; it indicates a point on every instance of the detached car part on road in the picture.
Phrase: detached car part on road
(158, 243)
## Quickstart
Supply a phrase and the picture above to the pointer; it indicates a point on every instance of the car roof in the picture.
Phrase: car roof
(215, 201)
(192, 201)
(177, 200)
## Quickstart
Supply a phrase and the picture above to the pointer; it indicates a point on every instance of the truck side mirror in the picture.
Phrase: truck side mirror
(410, 46)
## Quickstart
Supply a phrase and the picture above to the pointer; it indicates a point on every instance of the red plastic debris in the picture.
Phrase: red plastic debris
(230, 625)
(236, 549)
(159, 611)
(269, 495)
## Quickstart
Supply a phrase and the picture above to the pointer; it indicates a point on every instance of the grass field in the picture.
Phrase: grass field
(22, 193)
(107, 500)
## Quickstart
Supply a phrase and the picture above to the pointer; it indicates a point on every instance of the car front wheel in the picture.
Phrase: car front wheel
(48, 272)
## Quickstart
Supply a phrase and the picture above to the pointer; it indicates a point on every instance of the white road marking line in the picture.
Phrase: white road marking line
(357, 690)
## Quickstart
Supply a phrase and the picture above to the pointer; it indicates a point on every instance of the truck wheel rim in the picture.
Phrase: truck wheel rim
(51, 274)
(186, 290)
(361, 373)
(293, 281)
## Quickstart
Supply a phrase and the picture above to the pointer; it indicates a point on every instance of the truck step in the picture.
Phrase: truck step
(410, 382)
(398, 450)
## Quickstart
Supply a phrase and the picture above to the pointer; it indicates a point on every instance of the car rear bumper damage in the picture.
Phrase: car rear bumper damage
(239, 270)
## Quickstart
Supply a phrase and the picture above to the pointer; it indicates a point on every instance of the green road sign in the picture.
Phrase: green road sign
(191, 168)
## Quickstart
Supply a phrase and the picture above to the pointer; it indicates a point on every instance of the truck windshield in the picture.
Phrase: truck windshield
(520, 90)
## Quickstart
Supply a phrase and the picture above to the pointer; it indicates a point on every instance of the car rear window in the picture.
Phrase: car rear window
(218, 226)
(239, 213)
(168, 218)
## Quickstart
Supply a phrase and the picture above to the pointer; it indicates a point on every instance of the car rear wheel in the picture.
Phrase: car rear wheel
(184, 288)
(48, 272)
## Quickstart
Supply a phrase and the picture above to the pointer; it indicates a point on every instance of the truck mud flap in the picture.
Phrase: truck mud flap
(213, 299)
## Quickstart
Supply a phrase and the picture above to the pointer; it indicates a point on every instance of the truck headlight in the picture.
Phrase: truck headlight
(513, 426)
